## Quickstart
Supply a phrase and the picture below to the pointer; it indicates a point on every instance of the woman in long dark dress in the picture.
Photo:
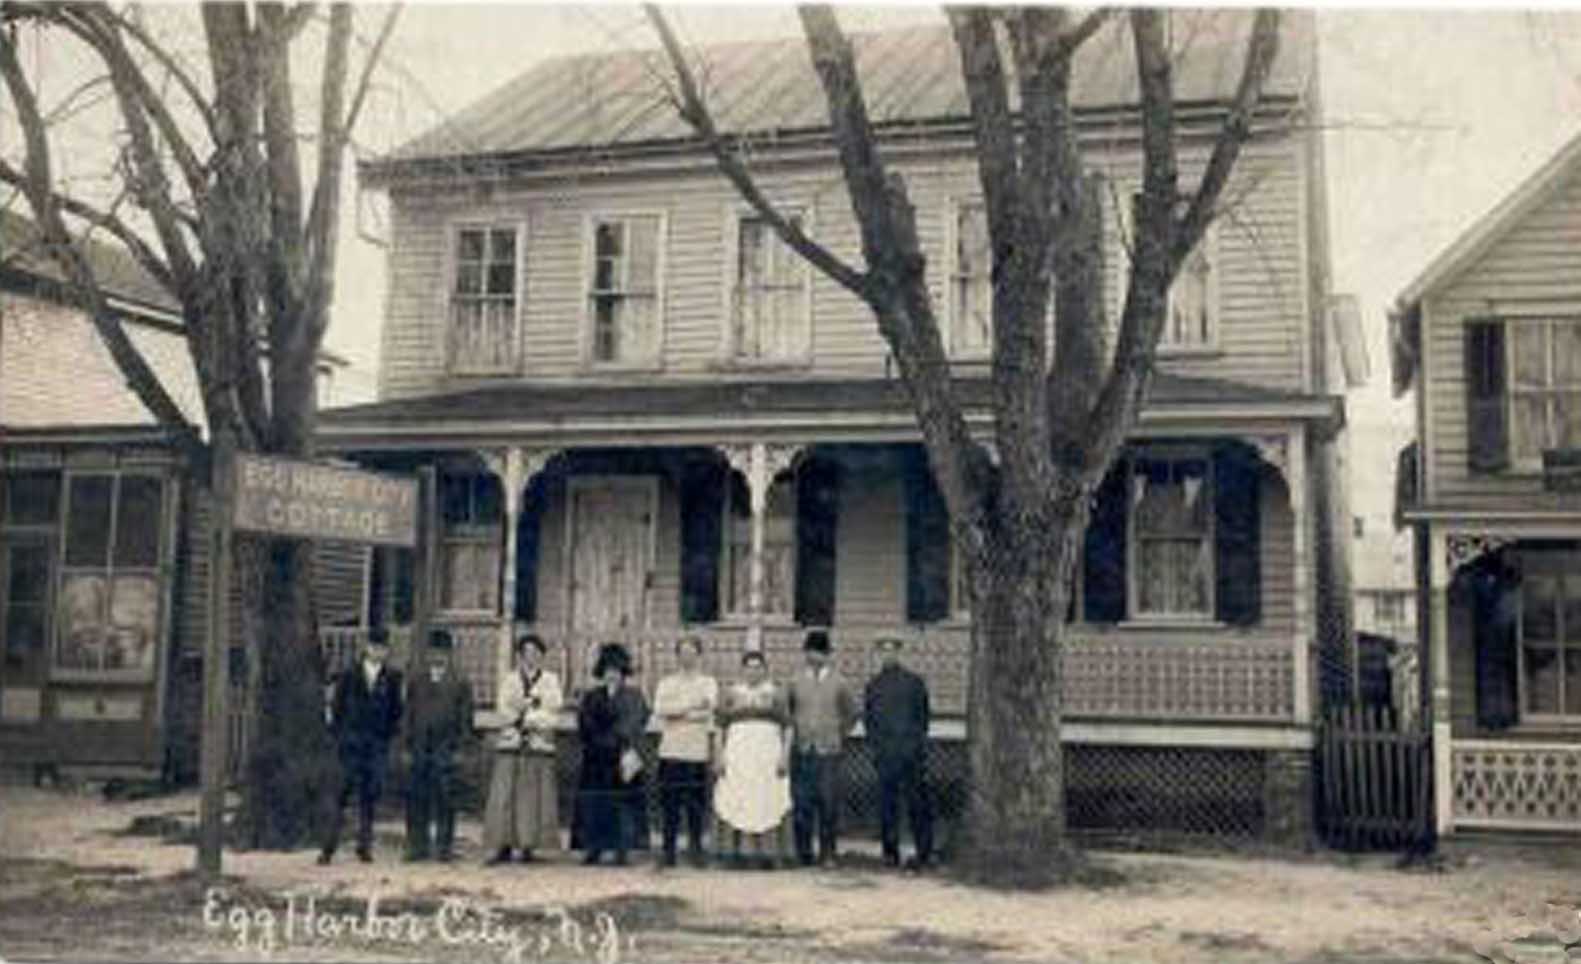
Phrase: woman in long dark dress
(611, 722)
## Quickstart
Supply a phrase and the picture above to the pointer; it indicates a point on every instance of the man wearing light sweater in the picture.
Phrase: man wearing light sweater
(822, 713)
(685, 702)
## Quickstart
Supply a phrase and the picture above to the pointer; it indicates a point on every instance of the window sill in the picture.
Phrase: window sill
(503, 371)
(647, 367)
(1172, 622)
(465, 616)
(731, 363)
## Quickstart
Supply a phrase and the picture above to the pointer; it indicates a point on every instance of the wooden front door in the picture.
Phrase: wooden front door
(611, 551)
(26, 563)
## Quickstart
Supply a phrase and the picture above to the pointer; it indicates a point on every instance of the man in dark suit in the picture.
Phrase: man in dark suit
(364, 715)
(438, 723)
(895, 716)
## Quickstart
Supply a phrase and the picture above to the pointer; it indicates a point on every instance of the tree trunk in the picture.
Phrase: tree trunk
(292, 770)
(1015, 821)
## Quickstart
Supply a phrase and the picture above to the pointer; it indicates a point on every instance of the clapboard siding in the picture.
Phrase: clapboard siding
(1277, 555)
(1262, 280)
(1535, 268)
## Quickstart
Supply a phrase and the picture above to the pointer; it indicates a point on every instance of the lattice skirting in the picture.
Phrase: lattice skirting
(1517, 786)
(1126, 789)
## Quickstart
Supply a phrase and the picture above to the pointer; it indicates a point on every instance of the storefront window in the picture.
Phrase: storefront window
(109, 590)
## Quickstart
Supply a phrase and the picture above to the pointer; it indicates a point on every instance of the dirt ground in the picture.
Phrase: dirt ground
(75, 884)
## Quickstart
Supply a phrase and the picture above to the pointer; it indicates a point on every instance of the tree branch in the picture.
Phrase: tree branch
(140, 377)
(168, 61)
(1261, 50)
(689, 104)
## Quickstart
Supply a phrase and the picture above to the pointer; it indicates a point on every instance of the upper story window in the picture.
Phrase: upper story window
(1171, 536)
(484, 299)
(470, 509)
(1523, 390)
(1193, 321)
(770, 298)
(110, 576)
(625, 310)
(971, 318)
(1545, 387)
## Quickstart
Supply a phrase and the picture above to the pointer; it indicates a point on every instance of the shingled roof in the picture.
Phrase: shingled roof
(911, 78)
(22, 251)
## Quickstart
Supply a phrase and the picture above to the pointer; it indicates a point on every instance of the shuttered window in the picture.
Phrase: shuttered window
(771, 317)
(624, 300)
(1545, 387)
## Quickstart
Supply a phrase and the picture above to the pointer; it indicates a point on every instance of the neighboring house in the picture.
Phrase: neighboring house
(1382, 564)
(638, 414)
(103, 554)
(1489, 340)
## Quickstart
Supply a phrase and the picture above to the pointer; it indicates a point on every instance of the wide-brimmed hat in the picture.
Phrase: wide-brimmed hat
(817, 641)
(612, 656)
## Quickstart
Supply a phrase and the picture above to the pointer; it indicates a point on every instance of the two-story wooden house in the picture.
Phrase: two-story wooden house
(643, 416)
(103, 549)
(1489, 340)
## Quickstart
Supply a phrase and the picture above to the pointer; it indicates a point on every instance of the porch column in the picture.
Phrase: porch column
(1438, 663)
(1287, 453)
(759, 463)
(515, 467)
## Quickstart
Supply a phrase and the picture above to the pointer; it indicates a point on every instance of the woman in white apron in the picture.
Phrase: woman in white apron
(752, 795)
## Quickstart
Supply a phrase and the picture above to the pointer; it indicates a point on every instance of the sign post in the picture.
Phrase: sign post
(284, 497)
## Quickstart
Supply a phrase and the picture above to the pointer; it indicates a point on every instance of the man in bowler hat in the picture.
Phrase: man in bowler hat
(438, 723)
(895, 717)
(822, 713)
(364, 715)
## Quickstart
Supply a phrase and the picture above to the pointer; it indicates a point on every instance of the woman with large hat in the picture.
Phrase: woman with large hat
(611, 721)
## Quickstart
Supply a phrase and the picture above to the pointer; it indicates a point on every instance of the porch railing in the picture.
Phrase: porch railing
(1514, 785)
(1241, 679)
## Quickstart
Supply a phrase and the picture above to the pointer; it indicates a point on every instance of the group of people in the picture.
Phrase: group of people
(754, 752)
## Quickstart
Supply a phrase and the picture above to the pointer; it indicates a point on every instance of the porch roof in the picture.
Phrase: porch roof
(566, 410)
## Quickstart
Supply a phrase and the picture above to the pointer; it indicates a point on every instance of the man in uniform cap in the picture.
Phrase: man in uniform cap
(895, 716)
(822, 712)
(438, 723)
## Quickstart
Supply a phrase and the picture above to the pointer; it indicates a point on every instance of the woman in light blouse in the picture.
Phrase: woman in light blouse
(522, 813)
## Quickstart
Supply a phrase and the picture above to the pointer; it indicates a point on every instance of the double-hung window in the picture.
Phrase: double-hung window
(110, 578)
(971, 324)
(484, 299)
(471, 510)
(1171, 513)
(770, 305)
(624, 294)
(1191, 322)
(779, 551)
(1550, 639)
(1545, 386)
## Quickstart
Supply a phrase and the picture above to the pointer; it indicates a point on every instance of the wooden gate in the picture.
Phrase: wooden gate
(1377, 790)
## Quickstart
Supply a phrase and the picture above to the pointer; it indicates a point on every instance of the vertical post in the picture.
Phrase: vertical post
(1302, 548)
(1438, 666)
(512, 478)
(758, 482)
(216, 660)
(426, 563)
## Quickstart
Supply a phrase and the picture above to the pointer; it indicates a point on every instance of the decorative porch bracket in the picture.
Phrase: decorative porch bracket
(759, 464)
(515, 467)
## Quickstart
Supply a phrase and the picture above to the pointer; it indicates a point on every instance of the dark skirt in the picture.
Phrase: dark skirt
(609, 812)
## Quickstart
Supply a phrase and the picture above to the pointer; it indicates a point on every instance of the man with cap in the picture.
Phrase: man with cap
(364, 714)
(438, 722)
(895, 717)
(822, 712)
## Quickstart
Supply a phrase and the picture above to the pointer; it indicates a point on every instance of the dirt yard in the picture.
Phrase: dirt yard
(77, 883)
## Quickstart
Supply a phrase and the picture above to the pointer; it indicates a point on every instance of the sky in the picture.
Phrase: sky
(1432, 116)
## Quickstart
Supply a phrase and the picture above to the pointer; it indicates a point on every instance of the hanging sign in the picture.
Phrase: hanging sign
(295, 497)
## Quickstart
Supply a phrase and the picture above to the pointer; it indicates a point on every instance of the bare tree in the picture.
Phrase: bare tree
(1019, 518)
(241, 230)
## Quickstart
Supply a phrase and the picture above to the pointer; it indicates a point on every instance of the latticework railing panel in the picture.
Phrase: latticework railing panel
(1517, 785)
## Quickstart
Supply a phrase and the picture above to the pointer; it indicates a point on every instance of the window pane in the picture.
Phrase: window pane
(1530, 435)
(502, 278)
(134, 618)
(1542, 680)
(502, 246)
(469, 246)
(1567, 420)
(749, 258)
(32, 498)
(24, 634)
(88, 520)
(1152, 577)
(1539, 599)
(1572, 608)
(28, 581)
(607, 237)
(973, 251)
(1567, 353)
(469, 279)
(643, 237)
(1530, 364)
(1573, 682)
(637, 329)
(139, 520)
(83, 613)
(606, 317)
(487, 506)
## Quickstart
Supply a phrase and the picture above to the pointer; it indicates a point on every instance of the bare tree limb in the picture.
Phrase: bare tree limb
(1261, 50)
(689, 103)
(169, 62)
(1083, 31)
(139, 374)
